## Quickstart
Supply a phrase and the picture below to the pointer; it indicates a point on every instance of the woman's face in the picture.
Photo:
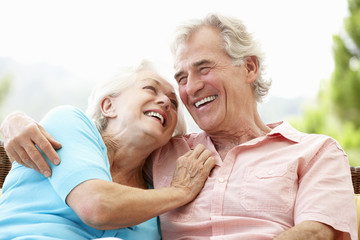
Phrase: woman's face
(148, 109)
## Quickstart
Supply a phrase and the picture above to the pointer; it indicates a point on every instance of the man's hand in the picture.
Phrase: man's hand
(309, 230)
(21, 134)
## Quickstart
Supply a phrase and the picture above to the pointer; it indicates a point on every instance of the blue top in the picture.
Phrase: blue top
(33, 206)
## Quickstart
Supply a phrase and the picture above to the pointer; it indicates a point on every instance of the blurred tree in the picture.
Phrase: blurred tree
(337, 112)
(345, 81)
(5, 83)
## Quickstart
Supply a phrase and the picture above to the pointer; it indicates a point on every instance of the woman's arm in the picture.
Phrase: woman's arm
(106, 205)
(21, 133)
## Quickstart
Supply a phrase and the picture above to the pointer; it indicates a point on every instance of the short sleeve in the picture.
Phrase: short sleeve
(83, 154)
(325, 191)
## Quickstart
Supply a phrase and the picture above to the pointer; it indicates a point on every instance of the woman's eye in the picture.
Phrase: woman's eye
(175, 103)
(150, 88)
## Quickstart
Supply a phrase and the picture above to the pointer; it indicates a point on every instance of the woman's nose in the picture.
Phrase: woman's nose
(164, 100)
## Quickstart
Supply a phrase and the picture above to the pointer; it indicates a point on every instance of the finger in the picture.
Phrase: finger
(204, 156)
(41, 140)
(198, 150)
(55, 144)
(28, 163)
(22, 160)
(183, 159)
(209, 164)
(195, 163)
(36, 160)
(13, 156)
(187, 154)
(18, 152)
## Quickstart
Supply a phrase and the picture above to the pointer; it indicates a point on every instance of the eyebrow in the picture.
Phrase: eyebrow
(178, 74)
(195, 65)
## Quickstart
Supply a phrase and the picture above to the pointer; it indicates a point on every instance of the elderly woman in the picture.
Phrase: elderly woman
(99, 189)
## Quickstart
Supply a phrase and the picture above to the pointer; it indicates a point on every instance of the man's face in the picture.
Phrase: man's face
(213, 90)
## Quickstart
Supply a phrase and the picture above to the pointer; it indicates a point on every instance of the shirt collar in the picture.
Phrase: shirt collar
(282, 128)
(286, 130)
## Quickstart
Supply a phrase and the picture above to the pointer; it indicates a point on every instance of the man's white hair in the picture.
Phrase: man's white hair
(238, 44)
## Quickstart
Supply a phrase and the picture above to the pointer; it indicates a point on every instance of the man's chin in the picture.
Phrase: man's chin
(204, 125)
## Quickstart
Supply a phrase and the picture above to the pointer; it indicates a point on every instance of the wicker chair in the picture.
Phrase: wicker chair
(5, 164)
(355, 174)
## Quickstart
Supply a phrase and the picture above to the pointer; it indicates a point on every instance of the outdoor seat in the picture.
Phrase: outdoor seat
(5, 167)
(5, 164)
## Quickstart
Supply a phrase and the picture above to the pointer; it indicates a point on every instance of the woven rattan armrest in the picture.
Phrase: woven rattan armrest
(5, 164)
(355, 175)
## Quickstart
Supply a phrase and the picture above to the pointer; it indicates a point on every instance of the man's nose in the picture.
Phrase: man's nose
(193, 85)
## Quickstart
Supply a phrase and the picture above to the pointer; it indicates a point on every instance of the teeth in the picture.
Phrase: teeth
(157, 115)
(205, 100)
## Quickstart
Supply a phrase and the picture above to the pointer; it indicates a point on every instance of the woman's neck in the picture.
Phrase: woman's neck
(126, 160)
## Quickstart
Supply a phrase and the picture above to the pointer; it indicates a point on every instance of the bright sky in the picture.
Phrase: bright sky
(92, 37)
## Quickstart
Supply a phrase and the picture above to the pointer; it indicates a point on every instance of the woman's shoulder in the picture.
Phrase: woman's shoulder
(69, 117)
(65, 113)
(65, 110)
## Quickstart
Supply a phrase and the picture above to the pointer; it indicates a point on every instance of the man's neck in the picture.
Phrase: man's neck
(227, 140)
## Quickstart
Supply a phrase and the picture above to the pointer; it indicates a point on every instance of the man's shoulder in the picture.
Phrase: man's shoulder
(288, 130)
(311, 140)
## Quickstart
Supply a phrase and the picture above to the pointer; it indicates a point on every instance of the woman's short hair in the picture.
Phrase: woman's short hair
(124, 78)
(238, 44)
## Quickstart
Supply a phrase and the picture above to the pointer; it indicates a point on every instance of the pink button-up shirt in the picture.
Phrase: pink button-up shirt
(262, 187)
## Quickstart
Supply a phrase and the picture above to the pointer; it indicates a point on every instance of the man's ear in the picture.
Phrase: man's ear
(107, 107)
(251, 65)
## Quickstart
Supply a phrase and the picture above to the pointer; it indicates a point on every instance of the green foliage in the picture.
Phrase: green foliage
(337, 112)
(5, 84)
(352, 23)
(345, 83)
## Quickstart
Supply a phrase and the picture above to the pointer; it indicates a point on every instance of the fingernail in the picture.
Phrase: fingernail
(56, 161)
(47, 174)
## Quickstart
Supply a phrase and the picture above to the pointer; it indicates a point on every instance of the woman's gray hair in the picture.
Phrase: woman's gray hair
(124, 78)
(238, 44)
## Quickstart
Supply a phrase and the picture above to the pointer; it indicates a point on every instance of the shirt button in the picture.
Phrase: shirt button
(221, 180)
(271, 172)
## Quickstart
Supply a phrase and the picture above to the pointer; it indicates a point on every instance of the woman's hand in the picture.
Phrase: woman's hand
(192, 170)
(21, 134)
(106, 205)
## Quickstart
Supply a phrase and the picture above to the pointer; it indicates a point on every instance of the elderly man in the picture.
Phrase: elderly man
(270, 181)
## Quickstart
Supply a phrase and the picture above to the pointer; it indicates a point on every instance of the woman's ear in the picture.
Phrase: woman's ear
(251, 65)
(107, 107)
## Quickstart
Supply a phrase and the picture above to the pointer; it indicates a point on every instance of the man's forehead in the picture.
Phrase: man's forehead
(197, 62)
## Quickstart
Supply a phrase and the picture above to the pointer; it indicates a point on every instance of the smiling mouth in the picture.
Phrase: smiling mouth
(205, 101)
(156, 115)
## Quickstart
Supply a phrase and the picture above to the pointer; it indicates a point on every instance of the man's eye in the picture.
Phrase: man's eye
(204, 70)
(182, 80)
